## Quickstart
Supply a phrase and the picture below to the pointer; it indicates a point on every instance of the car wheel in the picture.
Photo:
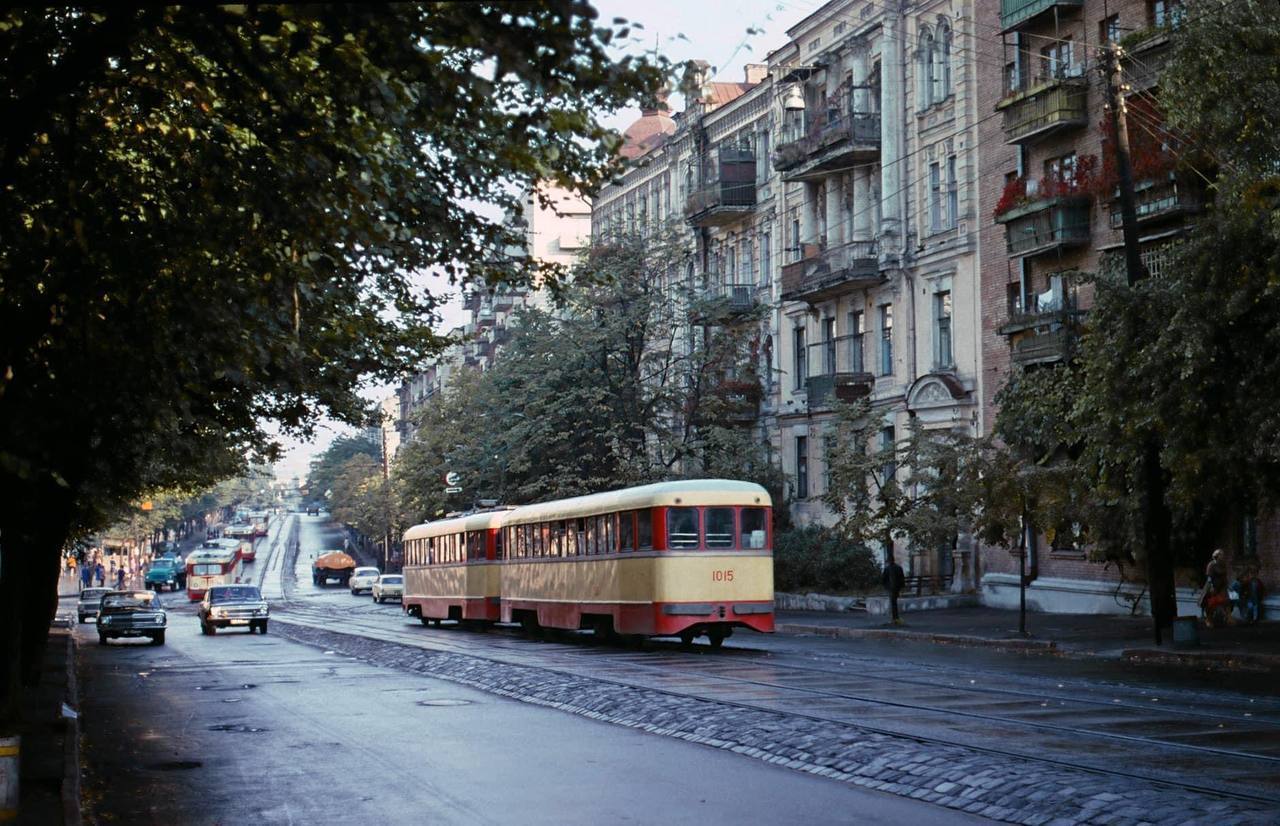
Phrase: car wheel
(206, 629)
(262, 629)
(157, 638)
(82, 619)
(102, 639)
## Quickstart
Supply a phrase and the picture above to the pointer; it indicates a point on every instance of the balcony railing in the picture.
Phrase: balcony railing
(1015, 12)
(730, 191)
(1047, 225)
(1158, 200)
(835, 137)
(1146, 53)
(1056, 305)
(825, 389)
(721, 302)
(825, 273)
(1044, 105)
(1043, 348)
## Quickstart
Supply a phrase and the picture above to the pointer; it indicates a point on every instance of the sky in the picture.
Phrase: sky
(725, 34)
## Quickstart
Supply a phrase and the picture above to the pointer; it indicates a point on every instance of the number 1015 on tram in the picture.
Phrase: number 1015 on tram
(689, 558)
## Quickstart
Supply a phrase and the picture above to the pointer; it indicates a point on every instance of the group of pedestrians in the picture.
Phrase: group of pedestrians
(1219, 600)
(91, 570)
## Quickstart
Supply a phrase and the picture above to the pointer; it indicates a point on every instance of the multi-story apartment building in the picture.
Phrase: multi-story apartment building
(875, 124)
(1050, 210)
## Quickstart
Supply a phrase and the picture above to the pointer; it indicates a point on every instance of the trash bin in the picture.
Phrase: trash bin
(1186, 632)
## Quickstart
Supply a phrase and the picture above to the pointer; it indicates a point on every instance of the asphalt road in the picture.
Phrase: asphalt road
(240, 728)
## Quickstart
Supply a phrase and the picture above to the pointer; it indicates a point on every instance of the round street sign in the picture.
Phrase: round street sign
(452, 478)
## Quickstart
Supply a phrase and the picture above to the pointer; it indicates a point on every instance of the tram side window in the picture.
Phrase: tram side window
(682, 528)
(497, 544)
(609, 533)
(475, 545)
(627, 534)
(431, 550)
(719, 527)
(754, 528)
(593, 535)
(644, 530)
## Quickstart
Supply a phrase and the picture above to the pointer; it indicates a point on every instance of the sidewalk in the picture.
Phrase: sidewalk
(1253, 648)
(49, 769)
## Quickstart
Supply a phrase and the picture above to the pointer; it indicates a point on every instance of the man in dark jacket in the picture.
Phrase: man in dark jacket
(893, 580)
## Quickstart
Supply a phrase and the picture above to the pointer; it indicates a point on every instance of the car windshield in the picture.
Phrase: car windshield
(392, 580)
(162, 564)
(94, 594)
(134, 599)
(366, 571)
(235, 593)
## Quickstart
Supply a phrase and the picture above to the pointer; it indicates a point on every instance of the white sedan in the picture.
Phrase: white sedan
(388, 586)
(362, 579)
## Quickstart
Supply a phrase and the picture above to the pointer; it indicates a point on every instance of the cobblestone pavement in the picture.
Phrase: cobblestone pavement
(979, 781)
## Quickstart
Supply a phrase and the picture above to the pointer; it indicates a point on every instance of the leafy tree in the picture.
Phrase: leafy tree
(326, 467)
(916, 488)
(209, 216)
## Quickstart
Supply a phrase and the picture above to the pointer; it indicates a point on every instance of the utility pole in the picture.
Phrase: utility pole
(1154, 528)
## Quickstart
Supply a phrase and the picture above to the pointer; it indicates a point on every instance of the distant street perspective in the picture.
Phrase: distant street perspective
(582, 412)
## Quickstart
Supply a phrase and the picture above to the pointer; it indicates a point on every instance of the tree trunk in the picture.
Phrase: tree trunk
(31, 542)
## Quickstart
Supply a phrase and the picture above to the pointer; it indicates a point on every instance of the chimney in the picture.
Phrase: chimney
(754, 73)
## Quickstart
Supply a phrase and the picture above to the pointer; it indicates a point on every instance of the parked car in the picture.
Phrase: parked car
(90, 602)
(388, 586)
(362, 579)
(132, 614)
(226, 606)
(162, 573)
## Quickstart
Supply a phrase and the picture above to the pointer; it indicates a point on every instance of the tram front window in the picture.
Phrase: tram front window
(682, 529)
(753, 528)
(719, 527)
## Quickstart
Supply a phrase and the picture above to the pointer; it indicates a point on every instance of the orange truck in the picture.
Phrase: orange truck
(332, 565)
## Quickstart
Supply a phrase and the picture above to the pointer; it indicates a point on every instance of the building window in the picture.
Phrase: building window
(1056, 60)
(888, 452)
(936, 222)
(828, 346)
(762, 158)
(886, 339)
(766, 259)
(828, 444)
(942, 329)
(942, 64)
(1166, 12)
(953, 193)
(730, 267)
(795, 239)
(855, 342)
(1060, 173)
(802, 467)
(925, 62)
(1109, 29)
(801, 357)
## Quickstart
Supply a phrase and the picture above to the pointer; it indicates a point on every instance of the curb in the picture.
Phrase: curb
(1207, 660)
(1009, 644)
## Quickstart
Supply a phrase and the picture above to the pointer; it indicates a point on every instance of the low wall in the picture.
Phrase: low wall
(1052, 595)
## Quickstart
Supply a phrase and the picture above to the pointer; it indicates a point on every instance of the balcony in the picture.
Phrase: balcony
(844, 133)
(1042, 348)
(1047, 225)
(1145, 56)
(1050, 309)
(826, 273)
(721, 303)
(1014, 13)
(1043, 106)
(741, 400)
(1158, 201)
(824, 390)
(729, 196)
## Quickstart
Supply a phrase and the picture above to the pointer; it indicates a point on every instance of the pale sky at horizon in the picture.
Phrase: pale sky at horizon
(712, 30)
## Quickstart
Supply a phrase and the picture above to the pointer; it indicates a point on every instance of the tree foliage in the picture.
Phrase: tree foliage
(210, 216)
(605, 392)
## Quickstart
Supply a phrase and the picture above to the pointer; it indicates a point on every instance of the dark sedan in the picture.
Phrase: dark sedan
(227, 606)
(131, 614)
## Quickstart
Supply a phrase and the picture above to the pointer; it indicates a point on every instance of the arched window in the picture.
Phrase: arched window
(942, 64)
(924, 67)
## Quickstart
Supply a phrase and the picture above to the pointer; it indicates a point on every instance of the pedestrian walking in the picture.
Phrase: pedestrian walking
(100, 574)
(120, 578)
(1248, 590)
(1215, 603)
(86, 576)
(893, 580)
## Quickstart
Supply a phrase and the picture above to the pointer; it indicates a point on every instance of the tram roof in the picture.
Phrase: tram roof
(458, 524)
(688, 492)
(210, 555)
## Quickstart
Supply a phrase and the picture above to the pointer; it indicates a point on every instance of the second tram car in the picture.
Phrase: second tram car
(451, 568)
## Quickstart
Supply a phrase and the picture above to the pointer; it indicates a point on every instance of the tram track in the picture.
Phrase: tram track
(1222, 765)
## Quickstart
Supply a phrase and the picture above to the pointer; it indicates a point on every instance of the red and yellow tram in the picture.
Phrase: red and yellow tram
(687, 559)
(451, 568)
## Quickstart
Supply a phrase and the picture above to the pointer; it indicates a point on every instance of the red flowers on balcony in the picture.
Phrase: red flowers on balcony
(1079, 178)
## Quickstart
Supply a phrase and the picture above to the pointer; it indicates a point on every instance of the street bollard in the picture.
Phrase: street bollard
(9, 777)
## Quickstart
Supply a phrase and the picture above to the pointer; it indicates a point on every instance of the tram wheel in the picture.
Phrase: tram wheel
(529, 624)
(687, 637)
(716, 637)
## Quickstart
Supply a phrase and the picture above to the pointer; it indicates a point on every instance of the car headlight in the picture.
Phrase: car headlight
(219, 612)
